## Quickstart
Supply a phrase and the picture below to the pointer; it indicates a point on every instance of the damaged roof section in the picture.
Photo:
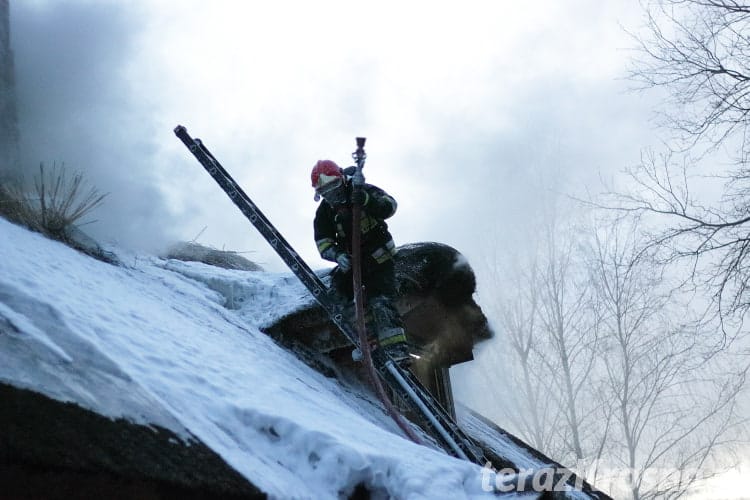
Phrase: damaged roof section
(51, 449)
(171, 351)
(443, 322)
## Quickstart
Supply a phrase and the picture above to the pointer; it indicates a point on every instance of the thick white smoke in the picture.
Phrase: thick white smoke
(75, 108)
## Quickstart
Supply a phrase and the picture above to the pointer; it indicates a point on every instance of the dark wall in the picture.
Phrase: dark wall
(9, 157)
(51, 449)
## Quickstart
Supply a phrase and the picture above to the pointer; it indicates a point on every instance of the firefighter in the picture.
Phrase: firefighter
(333, 224)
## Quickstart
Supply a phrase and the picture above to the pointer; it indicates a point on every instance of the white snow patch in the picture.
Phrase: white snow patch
(461, 263)
(154, 343)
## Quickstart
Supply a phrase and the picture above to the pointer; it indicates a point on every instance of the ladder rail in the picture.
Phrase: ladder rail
(398, 379)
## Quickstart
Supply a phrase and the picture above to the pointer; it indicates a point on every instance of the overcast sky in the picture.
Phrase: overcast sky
(469, 109)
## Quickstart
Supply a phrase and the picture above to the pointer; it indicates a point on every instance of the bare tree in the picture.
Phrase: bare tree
(515, 312)
(710, 244)
(673, 410)
(543, 312)
(609, 369)
(567, 343)
(699, 52)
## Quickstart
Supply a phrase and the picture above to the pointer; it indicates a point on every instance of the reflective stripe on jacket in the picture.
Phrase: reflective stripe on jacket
(332, 226)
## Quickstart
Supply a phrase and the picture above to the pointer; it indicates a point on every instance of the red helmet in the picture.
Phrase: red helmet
(325, 171)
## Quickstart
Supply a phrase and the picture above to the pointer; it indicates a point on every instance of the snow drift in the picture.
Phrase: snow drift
(150, 343)
(176, 347)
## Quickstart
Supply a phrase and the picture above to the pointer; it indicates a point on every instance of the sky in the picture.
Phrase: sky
(472, 112)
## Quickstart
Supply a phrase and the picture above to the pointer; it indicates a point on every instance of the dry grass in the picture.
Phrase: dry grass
(57, 202)
(194, 252)
(15, 207)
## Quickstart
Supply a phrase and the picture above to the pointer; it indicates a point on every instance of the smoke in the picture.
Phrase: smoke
(76, 109)
(457, 126)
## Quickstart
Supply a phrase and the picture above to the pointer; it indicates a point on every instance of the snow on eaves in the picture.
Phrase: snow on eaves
(154, 343)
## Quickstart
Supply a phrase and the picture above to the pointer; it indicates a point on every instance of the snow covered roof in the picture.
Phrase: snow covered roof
(151, 343)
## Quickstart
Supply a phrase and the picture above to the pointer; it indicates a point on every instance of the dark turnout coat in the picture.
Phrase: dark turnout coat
(333, 225)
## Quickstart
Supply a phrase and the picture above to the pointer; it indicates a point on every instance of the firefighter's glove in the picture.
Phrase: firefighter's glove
(344, 262)
(360, 197)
